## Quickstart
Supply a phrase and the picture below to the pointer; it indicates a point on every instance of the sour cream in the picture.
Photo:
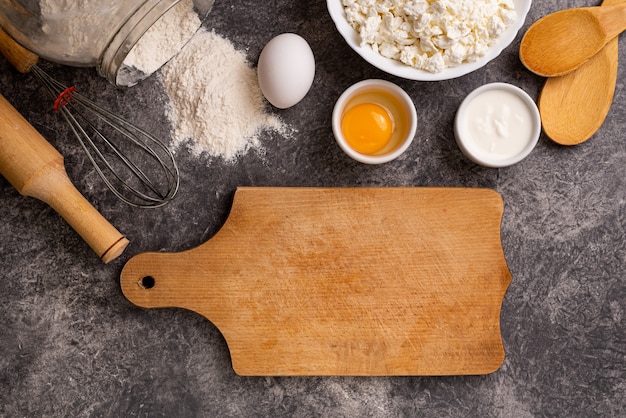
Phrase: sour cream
(497, 125)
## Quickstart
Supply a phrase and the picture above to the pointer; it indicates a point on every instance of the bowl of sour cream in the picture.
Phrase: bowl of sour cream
(497, 125)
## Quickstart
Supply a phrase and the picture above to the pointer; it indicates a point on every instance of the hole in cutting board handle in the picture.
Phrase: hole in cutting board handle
(147, 282)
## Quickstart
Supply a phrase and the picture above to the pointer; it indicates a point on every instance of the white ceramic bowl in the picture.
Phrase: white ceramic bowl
(405, 122)
(337, 13)
(501, 117)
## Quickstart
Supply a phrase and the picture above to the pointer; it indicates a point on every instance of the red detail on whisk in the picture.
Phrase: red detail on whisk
(64, 98)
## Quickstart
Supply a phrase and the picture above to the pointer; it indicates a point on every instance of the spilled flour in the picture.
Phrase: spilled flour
(216, 105)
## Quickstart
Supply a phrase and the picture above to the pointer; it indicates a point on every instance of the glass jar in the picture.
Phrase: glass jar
(89, 33)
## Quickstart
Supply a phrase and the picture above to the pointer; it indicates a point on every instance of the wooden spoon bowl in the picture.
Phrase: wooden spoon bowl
(561, 42)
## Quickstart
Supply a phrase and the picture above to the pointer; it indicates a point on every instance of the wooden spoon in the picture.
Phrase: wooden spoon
(574, 106)
(561, 42)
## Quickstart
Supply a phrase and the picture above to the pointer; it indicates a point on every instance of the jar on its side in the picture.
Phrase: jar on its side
(88, 32)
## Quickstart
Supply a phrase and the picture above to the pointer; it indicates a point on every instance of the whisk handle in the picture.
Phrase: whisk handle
(21, 58)
(35, 168)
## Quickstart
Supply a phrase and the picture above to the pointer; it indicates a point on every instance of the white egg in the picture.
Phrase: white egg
(286, 70)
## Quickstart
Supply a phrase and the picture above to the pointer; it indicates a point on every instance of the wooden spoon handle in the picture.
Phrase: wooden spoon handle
(612, 19)
(21, 58)
(35, 168)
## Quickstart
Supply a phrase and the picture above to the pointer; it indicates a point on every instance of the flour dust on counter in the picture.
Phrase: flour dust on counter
(216, 106)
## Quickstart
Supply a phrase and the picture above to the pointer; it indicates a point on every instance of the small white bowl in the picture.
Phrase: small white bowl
(400, 107)
(497, 125)
(338, 15)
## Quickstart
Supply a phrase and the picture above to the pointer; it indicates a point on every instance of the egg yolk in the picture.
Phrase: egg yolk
(367, 127)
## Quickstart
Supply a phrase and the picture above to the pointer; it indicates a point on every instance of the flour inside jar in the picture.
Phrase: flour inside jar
(161, 42)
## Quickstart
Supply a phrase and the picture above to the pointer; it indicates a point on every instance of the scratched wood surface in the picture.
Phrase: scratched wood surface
(344, 281)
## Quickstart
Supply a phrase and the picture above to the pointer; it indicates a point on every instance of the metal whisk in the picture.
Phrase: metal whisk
(151, 184)
(137, 167)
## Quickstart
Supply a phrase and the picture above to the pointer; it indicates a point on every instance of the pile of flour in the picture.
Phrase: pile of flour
(216, 105)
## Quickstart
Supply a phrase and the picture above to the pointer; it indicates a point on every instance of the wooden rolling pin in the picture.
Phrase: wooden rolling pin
(35, 168)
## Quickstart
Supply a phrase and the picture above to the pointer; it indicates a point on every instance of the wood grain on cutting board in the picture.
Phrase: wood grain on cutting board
(344, 281)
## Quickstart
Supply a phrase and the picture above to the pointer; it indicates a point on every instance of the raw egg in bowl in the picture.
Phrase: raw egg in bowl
(374, 121)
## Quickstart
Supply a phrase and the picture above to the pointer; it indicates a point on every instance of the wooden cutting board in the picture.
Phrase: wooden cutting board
(344, 281)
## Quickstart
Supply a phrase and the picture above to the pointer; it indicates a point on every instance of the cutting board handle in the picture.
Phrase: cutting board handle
(146, 279)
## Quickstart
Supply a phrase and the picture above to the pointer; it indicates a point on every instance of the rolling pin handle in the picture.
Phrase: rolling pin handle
(21, 58)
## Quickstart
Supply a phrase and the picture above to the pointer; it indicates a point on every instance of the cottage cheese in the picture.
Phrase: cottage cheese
(430, 35)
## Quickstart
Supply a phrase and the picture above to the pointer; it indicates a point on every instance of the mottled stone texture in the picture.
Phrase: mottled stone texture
(72, 345)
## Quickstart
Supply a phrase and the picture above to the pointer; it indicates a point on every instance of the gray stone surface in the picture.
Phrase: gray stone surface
(72, 345)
